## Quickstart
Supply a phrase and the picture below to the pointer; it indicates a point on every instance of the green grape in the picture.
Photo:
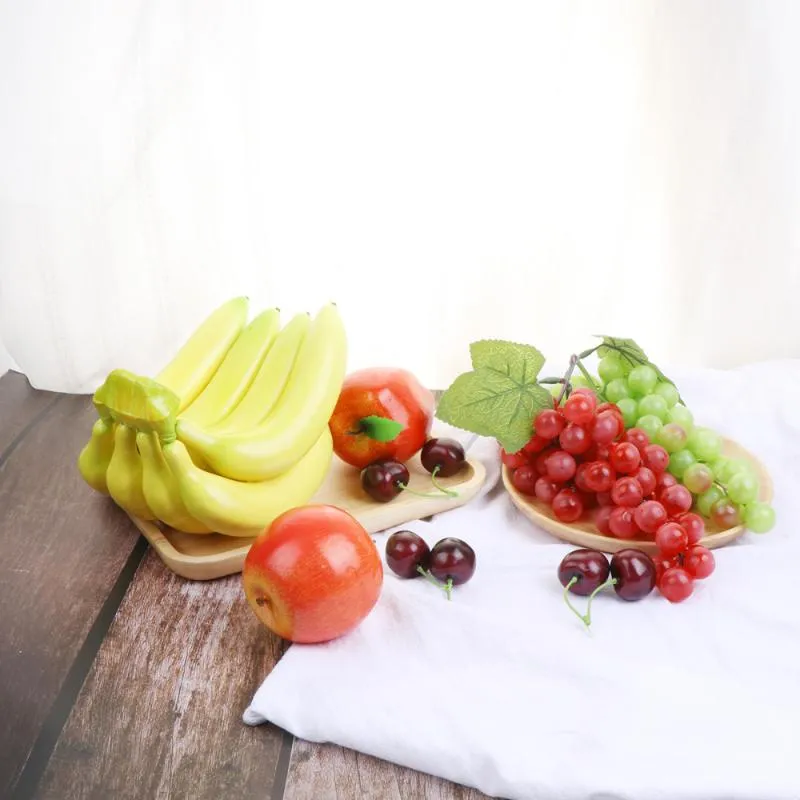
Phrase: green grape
(723, 468)
(642, 379)
(650, 424)
(705, 444)
(707, 500)
(609, 368)
(698, 478)
(743, 487)
(630, 411)
(682, 416)
(668, 392)
(671, 437)
(679, 462)
(579, 381)
(616, 390)
(726, 468)
(555, 389)
(654, 404)
(759, 517)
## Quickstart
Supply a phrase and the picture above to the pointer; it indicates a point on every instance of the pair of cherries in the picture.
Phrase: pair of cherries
(450, 562)
(386, 478)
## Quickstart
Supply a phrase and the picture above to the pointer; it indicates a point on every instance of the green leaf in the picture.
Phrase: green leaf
(630, 352)
(381, 429)
(521, 362)
(500, 397)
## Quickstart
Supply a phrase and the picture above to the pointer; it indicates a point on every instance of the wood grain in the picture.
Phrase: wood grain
(20, 405)
(329, 772)
(160, 714)
(51, 526)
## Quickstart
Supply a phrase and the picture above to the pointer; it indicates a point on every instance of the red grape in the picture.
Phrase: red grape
(602, 519)
(604, 499)
(637, 437)
(574, 439)
(580, 408)
(625, 457)
(514, 460)
(535, 445)
(676, 584)
(627, 492)
(585, 390)
(549, 423)
(560, 466)
(545, 490)
(540, 461)
(580, 478)
(664, 480)
(622, 524)
(699, 561)
(671, 539)
(663, 564)
(725, 513)
(600, 476)
(606, 428)
(693, 525)
(650, 516)
(524, 479)
(567, 505)
(647, 480)
(656, 458)
(676, 499)
(597, 452)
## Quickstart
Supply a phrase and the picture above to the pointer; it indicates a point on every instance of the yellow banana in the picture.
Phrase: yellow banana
(200, 356)
(236, 373)
(95, 456)
(238, 508)
(124, 474)
(161, 491)
(303, 410)
(271, 379)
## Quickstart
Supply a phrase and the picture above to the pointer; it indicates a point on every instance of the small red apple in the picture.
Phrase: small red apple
(313, 575)
(381, 413)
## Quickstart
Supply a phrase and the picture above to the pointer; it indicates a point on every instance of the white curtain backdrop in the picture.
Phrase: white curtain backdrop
(445, 171)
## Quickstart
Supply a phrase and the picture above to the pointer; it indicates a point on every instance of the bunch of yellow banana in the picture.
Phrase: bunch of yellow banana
(230, 434)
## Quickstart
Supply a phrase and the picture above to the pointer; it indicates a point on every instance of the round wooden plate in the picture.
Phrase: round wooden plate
(585, 534)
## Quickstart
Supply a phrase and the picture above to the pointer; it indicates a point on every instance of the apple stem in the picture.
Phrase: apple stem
(447, 587)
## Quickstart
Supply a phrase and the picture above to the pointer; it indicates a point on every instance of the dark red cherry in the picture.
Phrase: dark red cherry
(634, 572)
(452, 561)
(405, 551)
(383, 480)
(446, 456)
(589, 567)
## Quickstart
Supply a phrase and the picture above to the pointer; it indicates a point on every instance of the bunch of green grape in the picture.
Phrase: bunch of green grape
(726, 490)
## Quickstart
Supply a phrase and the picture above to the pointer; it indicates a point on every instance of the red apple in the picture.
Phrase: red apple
(381, 413)
(313, 575)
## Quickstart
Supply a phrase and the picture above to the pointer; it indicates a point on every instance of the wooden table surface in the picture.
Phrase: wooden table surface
(117, 678)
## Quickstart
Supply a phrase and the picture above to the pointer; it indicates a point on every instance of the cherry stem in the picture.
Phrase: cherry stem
(443, 489)
(573, 360)
(586, 618)
(447, 587)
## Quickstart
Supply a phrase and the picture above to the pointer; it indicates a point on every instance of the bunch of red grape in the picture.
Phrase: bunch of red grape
(582, 459)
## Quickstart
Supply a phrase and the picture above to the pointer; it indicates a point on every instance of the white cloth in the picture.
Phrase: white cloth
(502, 689)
